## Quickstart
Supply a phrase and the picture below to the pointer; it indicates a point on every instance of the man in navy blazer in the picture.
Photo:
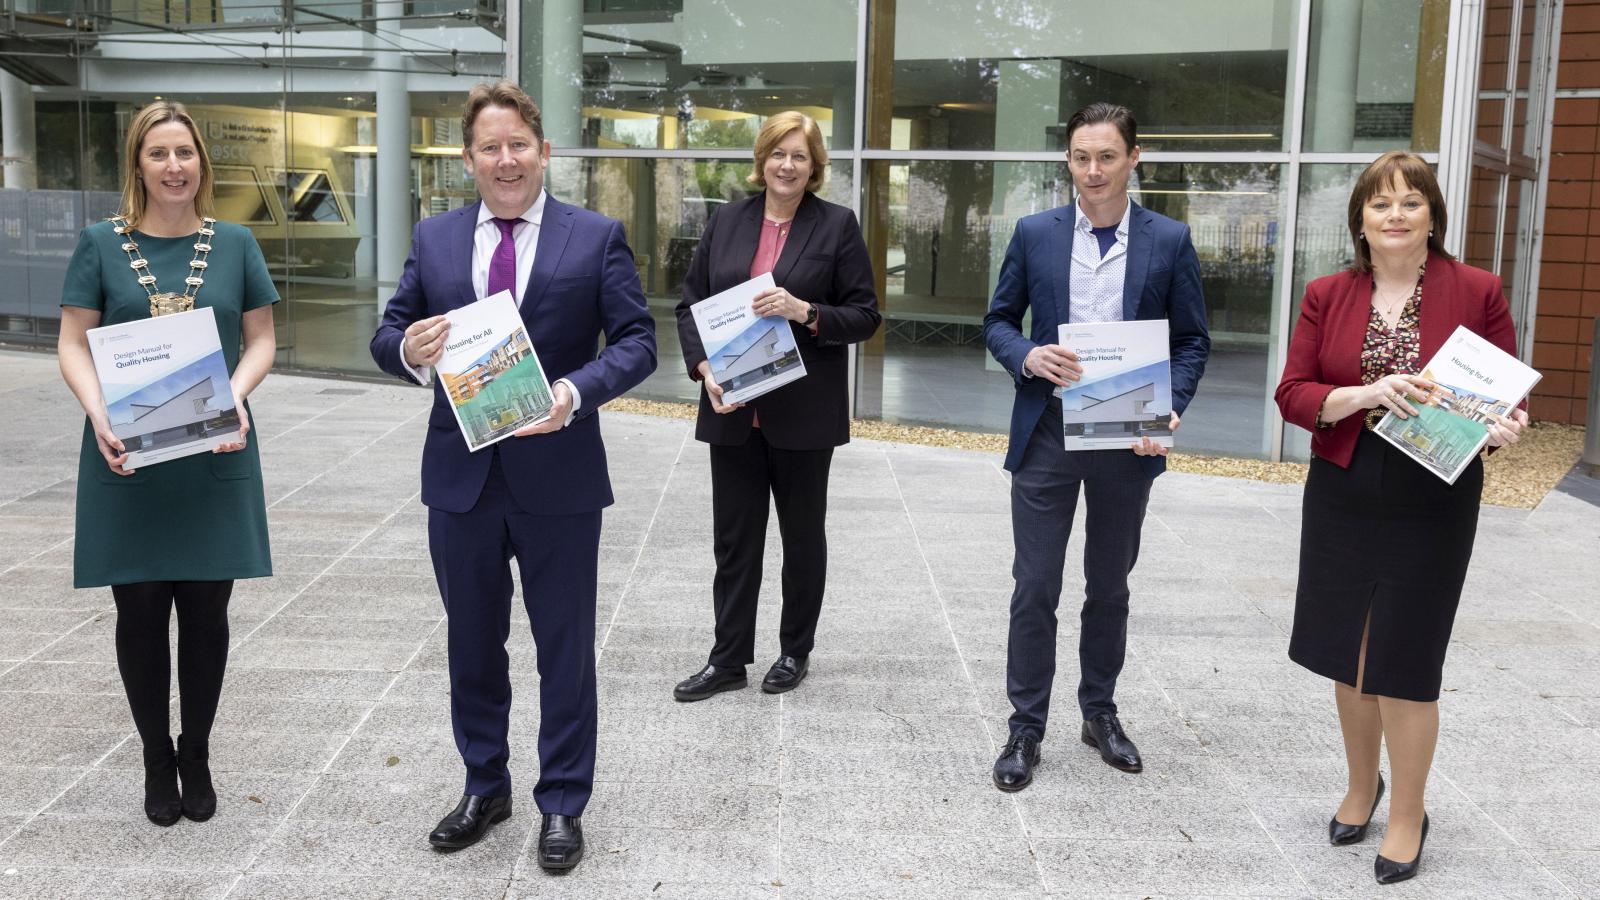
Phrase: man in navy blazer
(1102, 259)
(536, 496)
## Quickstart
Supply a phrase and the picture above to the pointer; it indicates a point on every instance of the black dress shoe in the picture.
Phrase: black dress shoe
(1387, 871)
(1013, 771)
(1104, 733)
(708, 681)
(560, 841)
(162, 805)
(1340, 833)
(785, 674)
(469, 821)
(194, 768)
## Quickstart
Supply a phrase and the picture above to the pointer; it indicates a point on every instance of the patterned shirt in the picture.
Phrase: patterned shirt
(1096, 278)
(1387, 351)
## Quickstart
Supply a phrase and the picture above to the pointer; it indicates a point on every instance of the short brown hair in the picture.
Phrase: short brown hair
(134, 196)
(500, 93)
(1396, 165)
(780, 126)
(1103, 112)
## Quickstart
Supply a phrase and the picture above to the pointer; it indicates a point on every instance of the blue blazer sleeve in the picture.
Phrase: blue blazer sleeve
(629, 355)
(406, 306)
(1002, 325)
(1186, 320)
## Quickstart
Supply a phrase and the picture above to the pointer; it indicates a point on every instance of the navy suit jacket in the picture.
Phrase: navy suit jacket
(1162, 282)
(583, 285)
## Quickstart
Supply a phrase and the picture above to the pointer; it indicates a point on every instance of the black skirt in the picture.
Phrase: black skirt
(1384, 538)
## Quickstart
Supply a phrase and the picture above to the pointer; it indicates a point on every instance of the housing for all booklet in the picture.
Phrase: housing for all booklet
(750, 355)
(1126, 390)
(165, 385)
(491, 373)
(1473, 381)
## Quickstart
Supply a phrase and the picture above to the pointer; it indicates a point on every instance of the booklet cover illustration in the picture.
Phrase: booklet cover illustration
(1473, 381)
(1126, 390)
(490, 372)
(749, 355)
(165, 385)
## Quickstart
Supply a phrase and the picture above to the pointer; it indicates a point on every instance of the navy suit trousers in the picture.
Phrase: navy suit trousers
(558, 558)
(1044, 496)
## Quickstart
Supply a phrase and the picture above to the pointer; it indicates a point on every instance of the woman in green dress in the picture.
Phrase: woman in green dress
(175, 534)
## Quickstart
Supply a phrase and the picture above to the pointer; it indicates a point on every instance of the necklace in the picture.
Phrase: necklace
(165, 302)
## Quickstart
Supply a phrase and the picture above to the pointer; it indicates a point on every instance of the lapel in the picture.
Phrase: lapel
(1436, 320)
(805, 222)
(554, 230)
(460, 242)
(1349, 324)
(1140, 247)
(1061, 262)
(743, 239)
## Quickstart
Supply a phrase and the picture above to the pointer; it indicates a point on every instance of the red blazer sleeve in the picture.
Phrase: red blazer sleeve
(1302, 389)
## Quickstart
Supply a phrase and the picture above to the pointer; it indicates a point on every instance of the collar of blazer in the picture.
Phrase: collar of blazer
(1140, 220)
(1349, 310)
(801, 229)
(554, 231)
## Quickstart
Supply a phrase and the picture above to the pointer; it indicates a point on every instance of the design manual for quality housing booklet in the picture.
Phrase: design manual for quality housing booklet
(165, 384)
(490, 372)
(749, 355)
(1473, 380)
(1126, 389)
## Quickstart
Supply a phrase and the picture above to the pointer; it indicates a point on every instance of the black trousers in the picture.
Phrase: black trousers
(742, 477)
(1044, 496)
(143, 611)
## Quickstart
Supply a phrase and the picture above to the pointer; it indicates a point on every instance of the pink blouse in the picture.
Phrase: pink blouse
(773, 236)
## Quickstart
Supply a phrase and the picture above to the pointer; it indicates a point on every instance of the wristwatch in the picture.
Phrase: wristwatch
(811, 315)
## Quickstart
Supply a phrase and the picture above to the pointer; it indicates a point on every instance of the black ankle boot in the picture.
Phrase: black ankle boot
(199, 797)
(161, 802)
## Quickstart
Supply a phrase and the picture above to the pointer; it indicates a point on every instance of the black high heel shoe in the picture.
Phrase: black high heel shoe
(1387, 871)
(162, 804)
(1340, 833)
(194, 766)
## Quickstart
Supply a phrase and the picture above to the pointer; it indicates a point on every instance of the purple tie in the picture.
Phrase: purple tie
(503, 265)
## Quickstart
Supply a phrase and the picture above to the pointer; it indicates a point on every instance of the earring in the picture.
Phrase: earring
(1430, 234)
(1362, 235)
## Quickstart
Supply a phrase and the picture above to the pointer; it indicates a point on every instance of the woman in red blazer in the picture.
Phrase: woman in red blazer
(1384, 543)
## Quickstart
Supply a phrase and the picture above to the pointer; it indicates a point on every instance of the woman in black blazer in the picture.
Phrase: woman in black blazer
(781, 442)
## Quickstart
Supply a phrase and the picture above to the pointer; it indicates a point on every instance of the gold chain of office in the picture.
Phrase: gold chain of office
(164, 302)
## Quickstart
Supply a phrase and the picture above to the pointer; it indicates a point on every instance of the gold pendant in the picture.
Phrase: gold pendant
(167, 302)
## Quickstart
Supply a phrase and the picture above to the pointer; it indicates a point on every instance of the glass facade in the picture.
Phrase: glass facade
(945, 123)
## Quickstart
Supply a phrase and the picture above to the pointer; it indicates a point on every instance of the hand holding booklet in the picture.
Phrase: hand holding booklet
(1474, 381)
(749, 355)
(1126, 390)
(490, 372)
(165, 385)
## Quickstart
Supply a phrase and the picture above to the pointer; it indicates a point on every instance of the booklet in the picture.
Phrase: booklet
(165, 385)
(749, 355)
(490, 372)
(1126, 390)
(1473, 380)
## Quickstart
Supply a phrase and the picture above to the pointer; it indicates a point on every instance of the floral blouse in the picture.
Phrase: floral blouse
(1389, 350)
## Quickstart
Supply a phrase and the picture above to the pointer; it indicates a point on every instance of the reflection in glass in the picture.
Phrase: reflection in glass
(1375, 75)
(1199, 75)
(702, 74)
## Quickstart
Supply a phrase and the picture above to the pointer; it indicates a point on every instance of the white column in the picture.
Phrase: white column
(365, 196)
(392, 189)
(1331, 101)
(17, 134)
(560, 52)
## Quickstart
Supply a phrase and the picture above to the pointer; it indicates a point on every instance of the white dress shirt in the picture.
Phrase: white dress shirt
(485, 239)
(1097, 280)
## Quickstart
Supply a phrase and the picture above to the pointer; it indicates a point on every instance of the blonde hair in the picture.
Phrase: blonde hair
(134, 197)
(780, 126)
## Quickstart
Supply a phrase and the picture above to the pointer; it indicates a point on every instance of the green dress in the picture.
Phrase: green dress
(201, 517)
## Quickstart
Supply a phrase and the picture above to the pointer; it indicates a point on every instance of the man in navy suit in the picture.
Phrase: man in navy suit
(537, 496)
(1102, 259)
